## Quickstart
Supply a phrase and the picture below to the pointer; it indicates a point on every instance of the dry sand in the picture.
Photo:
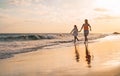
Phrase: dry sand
(66, 61)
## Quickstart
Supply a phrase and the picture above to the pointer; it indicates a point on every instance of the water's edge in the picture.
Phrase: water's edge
(12, 44)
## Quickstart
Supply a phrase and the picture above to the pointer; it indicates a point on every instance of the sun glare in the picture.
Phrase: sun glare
(111, 5)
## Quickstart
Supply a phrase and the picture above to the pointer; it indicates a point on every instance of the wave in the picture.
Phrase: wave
(42, 36)
(21, 43)
(19, 37)
(10, 53)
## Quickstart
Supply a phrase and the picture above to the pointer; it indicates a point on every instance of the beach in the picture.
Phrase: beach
(59, 38)
(98, 58)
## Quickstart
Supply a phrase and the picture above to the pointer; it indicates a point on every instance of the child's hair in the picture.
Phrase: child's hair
(75, 26)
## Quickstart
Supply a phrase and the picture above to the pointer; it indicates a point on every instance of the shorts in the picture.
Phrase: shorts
(86, 32)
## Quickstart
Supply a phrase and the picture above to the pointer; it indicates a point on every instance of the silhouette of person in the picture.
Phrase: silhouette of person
(75, 33)
(86, 27)
(88, 56)
(77, 56)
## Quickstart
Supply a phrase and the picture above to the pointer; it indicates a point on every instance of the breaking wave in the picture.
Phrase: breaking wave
(24, 37)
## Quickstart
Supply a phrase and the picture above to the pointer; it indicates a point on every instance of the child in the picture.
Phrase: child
(75, 33)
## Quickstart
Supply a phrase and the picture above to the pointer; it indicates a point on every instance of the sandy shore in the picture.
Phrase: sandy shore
(97, 59)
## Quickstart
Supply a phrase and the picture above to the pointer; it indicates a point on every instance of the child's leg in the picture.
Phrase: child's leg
(77, 38)
(74, 39)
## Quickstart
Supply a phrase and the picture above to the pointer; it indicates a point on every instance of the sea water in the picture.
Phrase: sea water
(15, 43)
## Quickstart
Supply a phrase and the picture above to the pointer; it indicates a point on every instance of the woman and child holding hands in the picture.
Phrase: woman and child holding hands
(86, 26)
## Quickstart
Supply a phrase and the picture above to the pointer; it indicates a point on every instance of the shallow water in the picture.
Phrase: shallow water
(63, 61)
(11, 44)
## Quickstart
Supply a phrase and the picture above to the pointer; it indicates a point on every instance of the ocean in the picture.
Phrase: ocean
(15, 43)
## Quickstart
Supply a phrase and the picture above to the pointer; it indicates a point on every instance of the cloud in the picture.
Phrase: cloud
(49, 10)
(1, 17)
(23, 2)
(24, 10)
(101, 10)
(107, 17)
(41, 13)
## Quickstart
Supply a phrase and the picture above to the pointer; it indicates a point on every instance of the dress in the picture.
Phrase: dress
(75, 32)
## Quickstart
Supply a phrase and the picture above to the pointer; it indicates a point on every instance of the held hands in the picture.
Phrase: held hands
(90, 29)
(79, 31)
(71, 32)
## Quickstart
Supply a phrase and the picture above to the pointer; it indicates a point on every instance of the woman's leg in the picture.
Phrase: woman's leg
(86, 39)
(86, 32)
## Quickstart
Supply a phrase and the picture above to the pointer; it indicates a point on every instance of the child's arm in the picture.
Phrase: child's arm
(71, 31)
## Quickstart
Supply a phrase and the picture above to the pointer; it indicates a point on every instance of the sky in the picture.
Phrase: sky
(58, 16)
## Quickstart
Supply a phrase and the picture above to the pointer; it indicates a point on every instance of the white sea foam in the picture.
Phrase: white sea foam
(11, 44)
(110, 37)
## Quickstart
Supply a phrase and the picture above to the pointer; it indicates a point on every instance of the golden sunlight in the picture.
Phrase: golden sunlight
(111, 5)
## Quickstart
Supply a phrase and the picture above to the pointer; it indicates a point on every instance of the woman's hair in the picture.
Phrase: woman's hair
(86, 21)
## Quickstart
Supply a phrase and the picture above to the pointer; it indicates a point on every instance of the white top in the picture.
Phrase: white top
(75, 32)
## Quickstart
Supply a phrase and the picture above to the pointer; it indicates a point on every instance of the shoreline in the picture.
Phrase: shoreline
(10, 53)
(63, 61)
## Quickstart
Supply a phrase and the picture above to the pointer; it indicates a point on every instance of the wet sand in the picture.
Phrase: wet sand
(95, 59)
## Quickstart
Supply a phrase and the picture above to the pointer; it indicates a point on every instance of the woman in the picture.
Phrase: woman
(86, 26)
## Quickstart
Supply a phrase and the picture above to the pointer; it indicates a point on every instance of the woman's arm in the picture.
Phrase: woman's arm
(81, 28)
(90, 28)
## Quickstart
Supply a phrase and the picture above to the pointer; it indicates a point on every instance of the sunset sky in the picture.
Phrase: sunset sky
(57, 16)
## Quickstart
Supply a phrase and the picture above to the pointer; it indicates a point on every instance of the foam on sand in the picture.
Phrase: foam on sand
(11, 44)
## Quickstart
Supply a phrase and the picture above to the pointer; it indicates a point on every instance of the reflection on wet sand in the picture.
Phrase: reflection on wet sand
(88, 56)
(77, 56)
